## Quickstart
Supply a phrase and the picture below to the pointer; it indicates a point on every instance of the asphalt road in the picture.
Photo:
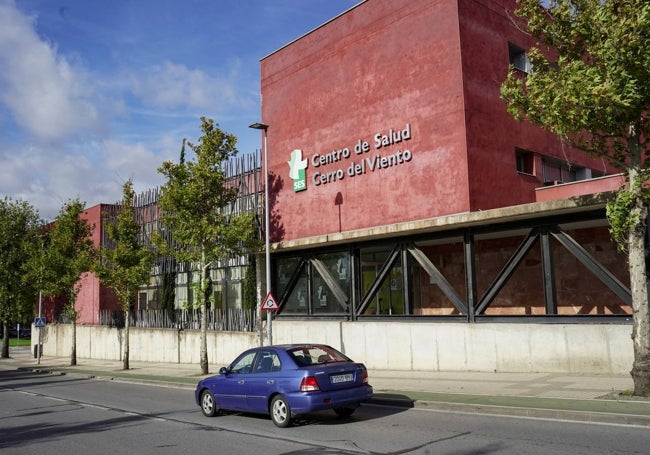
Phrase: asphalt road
(44, 413)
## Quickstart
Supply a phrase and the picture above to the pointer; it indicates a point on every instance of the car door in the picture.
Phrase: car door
(231, 392)
(261, 383)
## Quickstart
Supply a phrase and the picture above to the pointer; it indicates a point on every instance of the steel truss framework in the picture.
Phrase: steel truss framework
(542, 232)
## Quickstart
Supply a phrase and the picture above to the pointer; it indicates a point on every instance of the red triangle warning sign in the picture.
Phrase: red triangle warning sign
(269, 303)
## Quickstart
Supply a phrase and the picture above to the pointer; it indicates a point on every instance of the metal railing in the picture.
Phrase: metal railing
(231, 320)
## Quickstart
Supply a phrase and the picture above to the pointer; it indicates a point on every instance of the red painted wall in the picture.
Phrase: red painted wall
(93, 296)
(381, 66)
(435, 65)
(493, 134)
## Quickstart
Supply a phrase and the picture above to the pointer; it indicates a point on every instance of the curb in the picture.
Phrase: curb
(165, 381)
(539, 413)
(607, 411)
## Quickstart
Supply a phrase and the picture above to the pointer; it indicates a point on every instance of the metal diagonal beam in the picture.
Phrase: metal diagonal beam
(510, 267)
(339, 294)
(594, 266)
(440, 280)
(470, 273)
(379, 279)
(548, 270)
(295, 276)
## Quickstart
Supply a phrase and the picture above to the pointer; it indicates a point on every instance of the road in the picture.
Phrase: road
(43, 414)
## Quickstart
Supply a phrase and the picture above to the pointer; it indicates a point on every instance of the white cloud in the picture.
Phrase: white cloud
(46, 178)
(45, 94)
(74, 131)
(172, 85)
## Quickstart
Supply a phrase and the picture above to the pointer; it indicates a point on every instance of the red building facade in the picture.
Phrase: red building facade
(400, 186)
(93, 298)
(395, 110)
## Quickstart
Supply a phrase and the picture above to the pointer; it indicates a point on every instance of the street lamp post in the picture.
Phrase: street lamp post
(267, 249)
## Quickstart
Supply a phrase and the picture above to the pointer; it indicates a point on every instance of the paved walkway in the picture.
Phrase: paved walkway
(595, 398)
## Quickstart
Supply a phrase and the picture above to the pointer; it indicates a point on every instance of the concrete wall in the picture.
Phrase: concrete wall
(147, 345)
(552, 348)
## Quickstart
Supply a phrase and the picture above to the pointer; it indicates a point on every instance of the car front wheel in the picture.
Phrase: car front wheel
(208, 405)
(280, 412)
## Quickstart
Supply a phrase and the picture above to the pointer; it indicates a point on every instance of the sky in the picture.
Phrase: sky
(96, 92)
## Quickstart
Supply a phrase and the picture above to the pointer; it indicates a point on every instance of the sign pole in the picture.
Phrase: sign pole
(40, 329)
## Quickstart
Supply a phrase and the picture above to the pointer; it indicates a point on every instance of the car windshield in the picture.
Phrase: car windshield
(316, 354)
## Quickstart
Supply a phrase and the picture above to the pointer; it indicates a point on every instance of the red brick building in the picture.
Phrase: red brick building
(93, 297)
(401, 186)
(414, 224)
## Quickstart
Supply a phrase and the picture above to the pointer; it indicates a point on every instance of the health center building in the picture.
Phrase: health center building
(413, 222)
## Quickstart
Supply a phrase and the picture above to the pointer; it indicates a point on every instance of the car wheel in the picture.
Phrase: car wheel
(280, 412)
(208, 405)
(345, 411)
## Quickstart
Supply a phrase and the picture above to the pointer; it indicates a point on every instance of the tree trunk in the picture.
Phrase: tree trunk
(641, 323)
(5, 341)
(204, 318)
(639, 289)
(73, 351)
(127, 324)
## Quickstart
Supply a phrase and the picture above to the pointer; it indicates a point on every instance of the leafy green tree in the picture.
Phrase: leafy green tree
(70, 253)
(590, 85)
(19, 223)
(125, 264)
(196, 203)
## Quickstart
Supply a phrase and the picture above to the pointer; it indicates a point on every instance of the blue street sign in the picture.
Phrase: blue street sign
(39, 323)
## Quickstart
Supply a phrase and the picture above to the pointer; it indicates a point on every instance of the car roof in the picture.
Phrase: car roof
(297, 345)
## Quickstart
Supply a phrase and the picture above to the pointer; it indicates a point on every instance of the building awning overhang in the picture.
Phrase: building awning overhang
(512, 214)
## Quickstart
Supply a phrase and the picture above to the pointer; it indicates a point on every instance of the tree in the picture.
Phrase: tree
(19, 223)
(197, 206)
(70, 253)
(125, 264)
(590, 85)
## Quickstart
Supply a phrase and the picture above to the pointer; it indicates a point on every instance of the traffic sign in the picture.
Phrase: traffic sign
(269, 303)
(39, 323)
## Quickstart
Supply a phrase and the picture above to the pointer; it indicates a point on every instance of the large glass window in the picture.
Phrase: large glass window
(331, 289)
(545, 270)
(436, 276)
(382, 282)
(579, 292)
(322, 286)
(284, 271)
(298, 300)
(522, 292)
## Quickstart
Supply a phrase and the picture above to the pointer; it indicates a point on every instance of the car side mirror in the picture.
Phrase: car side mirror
(223, 370)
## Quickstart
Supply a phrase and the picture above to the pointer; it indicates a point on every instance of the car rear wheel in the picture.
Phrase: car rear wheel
(208, 405)
(345, 411)
(280, 412)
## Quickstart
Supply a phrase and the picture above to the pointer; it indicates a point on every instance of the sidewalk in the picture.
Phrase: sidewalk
(592, 398)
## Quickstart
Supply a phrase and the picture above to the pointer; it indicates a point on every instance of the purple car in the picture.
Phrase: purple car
(285, 381)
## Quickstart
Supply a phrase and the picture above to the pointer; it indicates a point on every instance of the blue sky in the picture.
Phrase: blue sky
(94, 92)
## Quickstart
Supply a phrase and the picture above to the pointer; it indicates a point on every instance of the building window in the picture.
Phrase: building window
(525, 162)
(519, 58)
(555, 172)
(316, 284)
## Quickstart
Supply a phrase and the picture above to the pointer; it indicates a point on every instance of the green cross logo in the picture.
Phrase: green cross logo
(297, 168)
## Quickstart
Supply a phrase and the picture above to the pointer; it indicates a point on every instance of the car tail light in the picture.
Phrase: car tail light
(309, 384)
(365, 376)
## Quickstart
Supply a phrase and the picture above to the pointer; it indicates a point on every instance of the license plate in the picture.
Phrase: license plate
(337, 379)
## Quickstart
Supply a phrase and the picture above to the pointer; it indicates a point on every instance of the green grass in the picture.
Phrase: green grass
(19, 342)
